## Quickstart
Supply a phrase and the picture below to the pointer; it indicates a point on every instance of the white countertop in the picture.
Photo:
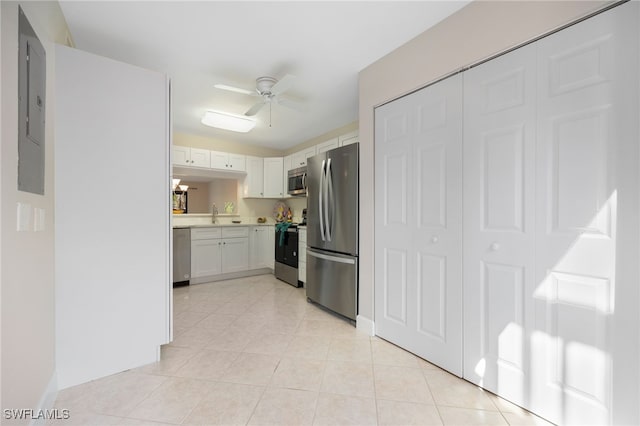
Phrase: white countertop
(204, 220)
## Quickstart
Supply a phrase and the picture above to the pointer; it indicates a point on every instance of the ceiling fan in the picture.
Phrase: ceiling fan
(270, 90)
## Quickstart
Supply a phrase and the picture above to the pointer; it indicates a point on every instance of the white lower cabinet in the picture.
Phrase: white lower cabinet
(205, 258)
(302, 254)
(261, 247)
(235, 254)
(219, 250)
(206, 252)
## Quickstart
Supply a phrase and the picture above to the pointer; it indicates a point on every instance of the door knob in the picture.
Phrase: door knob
(434, 239)
(495, 246)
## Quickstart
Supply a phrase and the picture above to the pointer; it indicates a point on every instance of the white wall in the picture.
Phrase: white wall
(27, 258)
(113, 285)
(478, 31)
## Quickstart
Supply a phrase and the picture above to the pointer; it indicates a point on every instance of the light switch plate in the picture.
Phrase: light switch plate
(24, 217)
(38, 219)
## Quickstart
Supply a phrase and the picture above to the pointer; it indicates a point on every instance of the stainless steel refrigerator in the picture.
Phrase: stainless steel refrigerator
(332, 230)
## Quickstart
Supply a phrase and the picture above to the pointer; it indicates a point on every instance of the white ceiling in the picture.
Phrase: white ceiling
(198, 44)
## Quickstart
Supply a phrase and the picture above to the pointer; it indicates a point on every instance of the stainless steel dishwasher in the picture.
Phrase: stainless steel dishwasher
(181, 256)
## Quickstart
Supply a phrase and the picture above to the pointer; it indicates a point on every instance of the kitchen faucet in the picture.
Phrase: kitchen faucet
(214, 213)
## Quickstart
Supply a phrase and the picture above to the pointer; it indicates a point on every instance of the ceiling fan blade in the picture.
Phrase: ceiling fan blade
(283, 84)
(235, 89)
(254, 109)
(290, 103)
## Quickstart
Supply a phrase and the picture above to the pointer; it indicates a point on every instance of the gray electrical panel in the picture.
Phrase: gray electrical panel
(31, 105)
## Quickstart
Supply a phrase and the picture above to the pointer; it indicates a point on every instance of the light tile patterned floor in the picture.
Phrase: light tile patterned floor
(254, 351)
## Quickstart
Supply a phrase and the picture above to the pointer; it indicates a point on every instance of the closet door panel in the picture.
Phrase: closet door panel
(419, 223)
(499, 178)
(394, 212)
(587, 230)
(437, 235)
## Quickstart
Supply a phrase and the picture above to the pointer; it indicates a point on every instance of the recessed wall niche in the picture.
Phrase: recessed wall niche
(202, 195)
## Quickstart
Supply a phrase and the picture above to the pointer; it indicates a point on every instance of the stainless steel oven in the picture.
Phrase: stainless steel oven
(286, 254)
(297, 181)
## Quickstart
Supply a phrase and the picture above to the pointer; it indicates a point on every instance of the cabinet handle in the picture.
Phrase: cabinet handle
(434, 239)
(495, 246)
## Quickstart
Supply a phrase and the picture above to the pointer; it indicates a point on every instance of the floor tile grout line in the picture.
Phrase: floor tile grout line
(435, 403)
(375, 388)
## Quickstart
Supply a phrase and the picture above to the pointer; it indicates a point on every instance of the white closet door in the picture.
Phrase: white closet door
(499, 200)
(418, 253)
(585, 345)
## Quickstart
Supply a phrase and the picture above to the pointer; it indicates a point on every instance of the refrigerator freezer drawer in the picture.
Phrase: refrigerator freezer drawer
(332, 281)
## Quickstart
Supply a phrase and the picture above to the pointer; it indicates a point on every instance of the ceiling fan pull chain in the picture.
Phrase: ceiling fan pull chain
(269, 114)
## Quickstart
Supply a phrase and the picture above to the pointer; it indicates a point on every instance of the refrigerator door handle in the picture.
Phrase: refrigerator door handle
(320, 206)
(329, 208)
(331, 258)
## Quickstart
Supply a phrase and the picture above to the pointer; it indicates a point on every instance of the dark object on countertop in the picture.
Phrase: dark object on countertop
(236, 221)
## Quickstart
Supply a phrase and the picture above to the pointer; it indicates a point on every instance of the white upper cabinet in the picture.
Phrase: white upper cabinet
(349, 138)
(191, 157)
(326, 146)
(238, 162)
(285, 174)
(254, 182)
(264, 178)
(273, 177)
(299, 159)
(228, 162)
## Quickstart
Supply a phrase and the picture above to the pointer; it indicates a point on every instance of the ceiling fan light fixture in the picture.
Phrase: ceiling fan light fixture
(226, 121)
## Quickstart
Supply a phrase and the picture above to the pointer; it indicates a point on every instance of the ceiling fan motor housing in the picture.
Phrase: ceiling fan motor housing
(264, 85)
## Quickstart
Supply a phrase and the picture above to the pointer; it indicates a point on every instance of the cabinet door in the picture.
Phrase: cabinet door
(260, 252)
(254, 247)
(205, 258)
(326, 146)
(269, 247)
(273, 181)
(237, 162)
(200, 158)
(287, 165)
(299, 159)
(235, 255)
(219, 160)
(181, 155)
(254, 182)
(349, 138)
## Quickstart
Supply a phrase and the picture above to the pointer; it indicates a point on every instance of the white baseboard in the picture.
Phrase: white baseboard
(366, 325)
(47, 400)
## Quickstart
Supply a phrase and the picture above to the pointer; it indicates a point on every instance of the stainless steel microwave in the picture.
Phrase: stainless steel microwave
(297, 181)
